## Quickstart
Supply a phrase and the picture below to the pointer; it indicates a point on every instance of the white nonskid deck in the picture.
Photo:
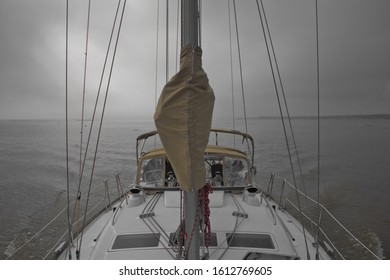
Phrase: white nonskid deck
(253, 220)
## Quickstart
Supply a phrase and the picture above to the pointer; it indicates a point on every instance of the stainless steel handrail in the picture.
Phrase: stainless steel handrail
(283, 197)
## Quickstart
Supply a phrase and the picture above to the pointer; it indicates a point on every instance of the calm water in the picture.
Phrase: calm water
(355, 177)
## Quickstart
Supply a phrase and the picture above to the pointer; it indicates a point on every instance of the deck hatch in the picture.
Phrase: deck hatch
(173, 240)
(250, 240)
(265, 256)
(129, 241)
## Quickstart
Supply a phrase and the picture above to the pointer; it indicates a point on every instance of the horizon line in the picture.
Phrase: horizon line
(376, 115)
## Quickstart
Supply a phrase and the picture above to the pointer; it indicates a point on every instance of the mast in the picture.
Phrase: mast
(190, 23)
(183, 120)
(190, 35)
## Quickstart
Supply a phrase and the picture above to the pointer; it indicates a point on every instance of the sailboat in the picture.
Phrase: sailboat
(195, 197)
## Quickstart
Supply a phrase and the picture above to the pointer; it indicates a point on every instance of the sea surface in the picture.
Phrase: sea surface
(354, 173)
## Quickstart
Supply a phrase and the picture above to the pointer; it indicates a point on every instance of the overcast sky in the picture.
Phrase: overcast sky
(354, 56)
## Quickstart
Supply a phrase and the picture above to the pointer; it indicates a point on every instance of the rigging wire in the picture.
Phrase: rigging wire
(181, 227)
(84, 85)
(93, 120)
(57, 216)
(37, 233)
(157, 45)
(177, 35)
(156, 66)
(96, 105)
(78, 203)
(231, 72)
(67, 121)
(318, 127)
(284, 99)
(240, 66)
(102, 115)
(200, 23)
(241, 75)
(55, 245)
(286, 106)
(167, 43)
(236, 226)
(266, 39)
(283, 93)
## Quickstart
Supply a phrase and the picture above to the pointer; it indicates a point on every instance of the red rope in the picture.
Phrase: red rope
(205, 201)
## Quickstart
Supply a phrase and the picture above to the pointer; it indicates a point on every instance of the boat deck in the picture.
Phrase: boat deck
(244, 226)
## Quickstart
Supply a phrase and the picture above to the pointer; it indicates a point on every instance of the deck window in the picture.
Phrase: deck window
(130, 241)
(236, 171)
(264, 256)
(152, 172)
(250, 240)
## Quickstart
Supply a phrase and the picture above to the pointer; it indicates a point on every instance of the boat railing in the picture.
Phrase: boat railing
(36, 246)
(328, 231)
(142, 140)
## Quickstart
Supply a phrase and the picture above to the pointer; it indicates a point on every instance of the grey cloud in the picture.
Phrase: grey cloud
(354, 56)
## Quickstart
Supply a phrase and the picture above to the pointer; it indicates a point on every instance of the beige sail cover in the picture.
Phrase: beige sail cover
(183, 119)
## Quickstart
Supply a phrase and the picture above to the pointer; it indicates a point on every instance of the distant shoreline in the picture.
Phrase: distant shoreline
(346, 117)
(340, 117)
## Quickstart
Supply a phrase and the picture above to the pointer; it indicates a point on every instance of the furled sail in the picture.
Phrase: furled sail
(183, 119)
